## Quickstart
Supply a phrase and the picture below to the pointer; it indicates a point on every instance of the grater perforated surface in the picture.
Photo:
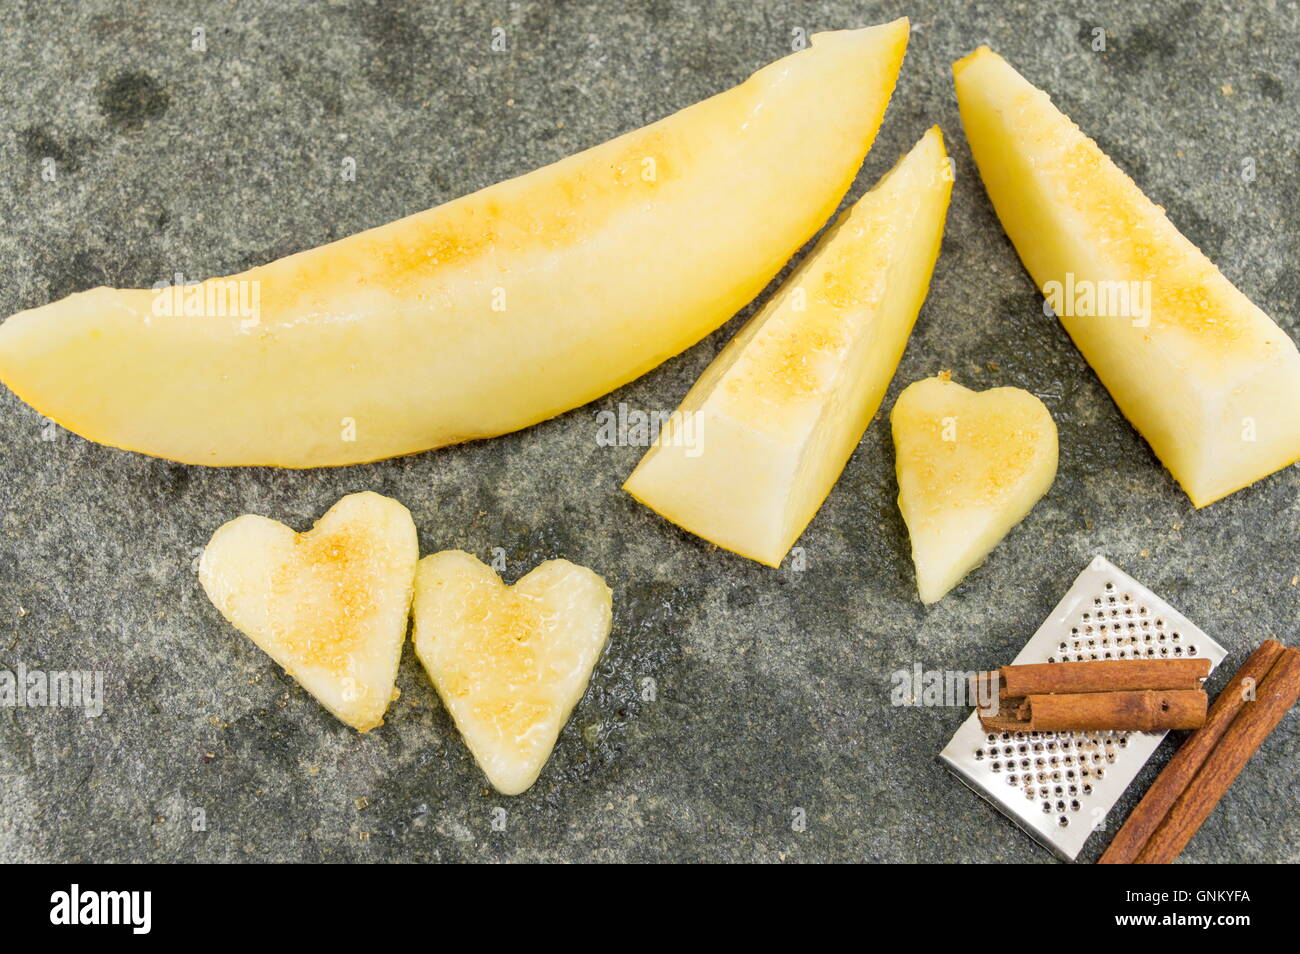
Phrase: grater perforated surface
(1060, 786)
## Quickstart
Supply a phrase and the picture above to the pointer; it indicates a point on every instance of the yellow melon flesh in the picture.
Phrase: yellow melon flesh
(329, 605)
(970, 467)
(763, 435)
(484, 315)
(1209, 380)
(509, 662)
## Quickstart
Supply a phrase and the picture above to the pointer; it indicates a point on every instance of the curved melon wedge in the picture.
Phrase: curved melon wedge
(1209, 380)
(970, 466)
(761, 438)
(484, 315)
(509, 662)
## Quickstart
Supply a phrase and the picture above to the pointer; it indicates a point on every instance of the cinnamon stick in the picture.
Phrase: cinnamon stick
(1103, 675)
(1277, 693)
(1133, 711)
(1173, 780)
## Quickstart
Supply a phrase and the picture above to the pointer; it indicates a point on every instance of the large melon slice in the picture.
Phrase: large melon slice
(483, 315)
(1209, 380)
(773, 420)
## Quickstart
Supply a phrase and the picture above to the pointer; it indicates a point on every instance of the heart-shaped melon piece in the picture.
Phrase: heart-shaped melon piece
(510, 662)
(329, 605)
(970, 467)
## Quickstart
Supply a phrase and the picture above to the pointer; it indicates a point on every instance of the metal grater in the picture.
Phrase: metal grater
(1060, 786)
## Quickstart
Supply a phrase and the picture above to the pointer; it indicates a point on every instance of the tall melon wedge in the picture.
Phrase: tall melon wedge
(763, 435)
(1209, 380)
(481, 316)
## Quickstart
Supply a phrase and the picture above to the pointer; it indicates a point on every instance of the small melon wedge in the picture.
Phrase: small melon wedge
(509, 662)
(486, 314)
(1209, 380)
(970, 466)
(329, 605)
(761, 438)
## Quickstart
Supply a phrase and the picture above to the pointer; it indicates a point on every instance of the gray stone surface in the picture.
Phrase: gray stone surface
(772, 685)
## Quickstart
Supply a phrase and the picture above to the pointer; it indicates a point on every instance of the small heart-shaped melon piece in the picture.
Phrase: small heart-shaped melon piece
(970, 467)
(329, 605)
(510, 662)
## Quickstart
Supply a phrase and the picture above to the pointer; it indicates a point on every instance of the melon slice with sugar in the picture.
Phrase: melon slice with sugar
(481, 316)
(761, 438)
(1209, 380)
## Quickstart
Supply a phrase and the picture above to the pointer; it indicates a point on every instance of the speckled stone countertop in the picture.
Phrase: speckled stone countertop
(771, 687)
